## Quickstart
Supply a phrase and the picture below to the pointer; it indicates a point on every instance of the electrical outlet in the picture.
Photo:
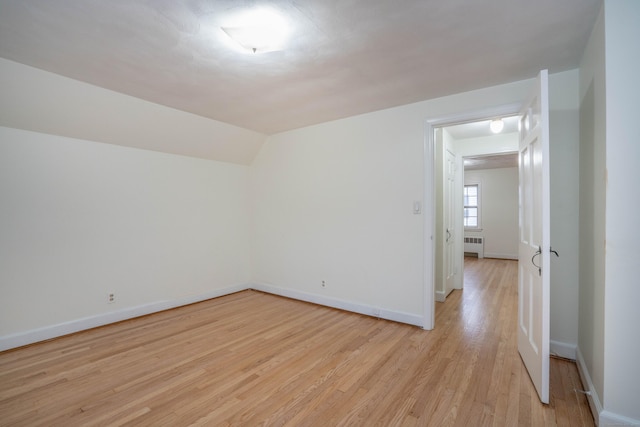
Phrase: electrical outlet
(111, 298)
(324, 284)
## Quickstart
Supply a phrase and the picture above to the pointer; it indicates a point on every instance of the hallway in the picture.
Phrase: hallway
(487, 311)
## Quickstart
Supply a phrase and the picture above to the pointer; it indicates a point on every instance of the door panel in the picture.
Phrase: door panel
(450, 222)
(534, 245)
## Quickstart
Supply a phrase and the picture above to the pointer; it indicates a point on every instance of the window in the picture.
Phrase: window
(472, 206)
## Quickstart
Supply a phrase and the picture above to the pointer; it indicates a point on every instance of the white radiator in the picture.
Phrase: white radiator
(474, 245)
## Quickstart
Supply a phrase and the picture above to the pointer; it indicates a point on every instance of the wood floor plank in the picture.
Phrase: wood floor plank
(255, 359)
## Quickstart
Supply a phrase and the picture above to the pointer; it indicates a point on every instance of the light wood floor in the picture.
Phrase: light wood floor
(254, 359)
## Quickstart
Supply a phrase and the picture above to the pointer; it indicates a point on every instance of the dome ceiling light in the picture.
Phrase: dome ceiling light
(258, 31)
(496, 125)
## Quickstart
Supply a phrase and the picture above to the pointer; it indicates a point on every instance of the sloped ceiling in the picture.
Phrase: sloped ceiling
(343, 58)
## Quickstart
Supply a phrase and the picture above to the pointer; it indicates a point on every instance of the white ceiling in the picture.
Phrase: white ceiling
(344, 57)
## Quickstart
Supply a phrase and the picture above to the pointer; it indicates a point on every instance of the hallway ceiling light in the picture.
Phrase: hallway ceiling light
(496, 125)
(259, 31)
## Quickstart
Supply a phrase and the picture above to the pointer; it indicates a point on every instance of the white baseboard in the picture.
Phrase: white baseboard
(602, 417)
(500, 256)
(440, 296)
(585, 377)
(608, 419)
(369, 310)
(48, 332)
(562, 349)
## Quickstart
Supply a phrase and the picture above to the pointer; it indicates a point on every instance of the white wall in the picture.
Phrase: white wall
(592, 205)
(608, 345)
(499, 210)
(41, 101)
(622, 252)
(80, 219)
(564, 142)
(334, 202)
(442, 138)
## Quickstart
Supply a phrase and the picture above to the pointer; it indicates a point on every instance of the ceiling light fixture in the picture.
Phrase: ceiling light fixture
(496, 125)
(259, 31)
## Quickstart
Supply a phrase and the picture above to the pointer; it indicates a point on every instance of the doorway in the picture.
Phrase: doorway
(533, 235)
(441, 230)
(477, 204)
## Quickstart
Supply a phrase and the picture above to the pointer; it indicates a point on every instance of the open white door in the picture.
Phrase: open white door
(534, 247)
(450, 214)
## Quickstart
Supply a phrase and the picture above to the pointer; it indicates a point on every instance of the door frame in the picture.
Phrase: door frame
(429, 301)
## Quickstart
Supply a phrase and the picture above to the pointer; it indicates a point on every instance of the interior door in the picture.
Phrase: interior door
(534, 246)
(450, 222)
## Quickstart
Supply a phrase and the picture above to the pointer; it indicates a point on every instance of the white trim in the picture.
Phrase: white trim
(609, 419)
(592, 397)
(54, 331)
(440, 296)
(429, 209)
(428, 245)
(475, 115)
(500, 255)
(562, 349)
(478, 206)
(368, 310)
(602, 417)
(48, 332)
